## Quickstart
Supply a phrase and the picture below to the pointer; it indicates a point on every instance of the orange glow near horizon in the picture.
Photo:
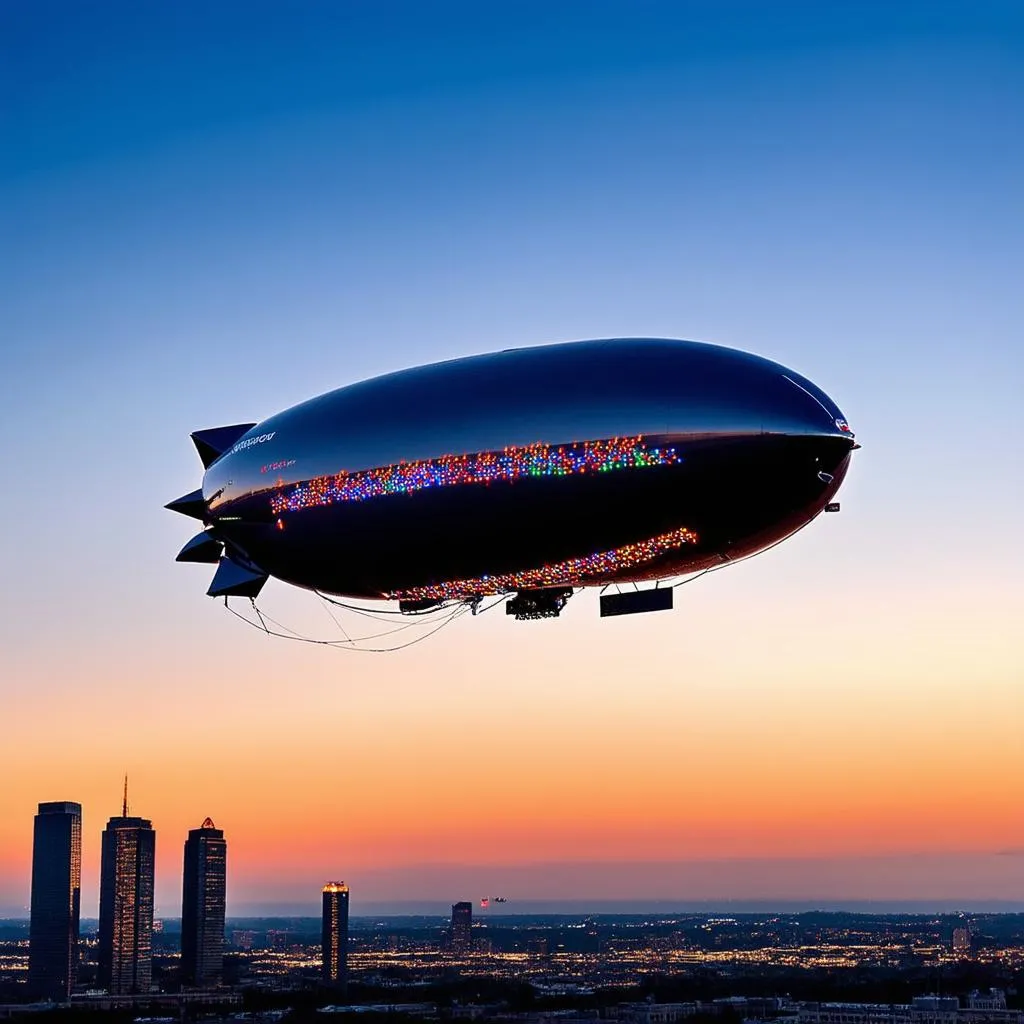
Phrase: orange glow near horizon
(319, 764)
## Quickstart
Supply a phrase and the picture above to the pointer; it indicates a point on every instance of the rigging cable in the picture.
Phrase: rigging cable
(347, 644)
(374, 612)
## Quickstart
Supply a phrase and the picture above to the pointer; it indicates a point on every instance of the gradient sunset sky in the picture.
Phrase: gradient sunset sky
(213, 211)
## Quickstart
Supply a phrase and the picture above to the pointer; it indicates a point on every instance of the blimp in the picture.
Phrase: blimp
(528, 473)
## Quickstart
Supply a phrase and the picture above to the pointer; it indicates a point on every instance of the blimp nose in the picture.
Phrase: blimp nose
(811, 410)
(843, 428)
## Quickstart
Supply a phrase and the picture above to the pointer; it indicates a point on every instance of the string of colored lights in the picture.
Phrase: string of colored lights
(509, 464)
(572, 572)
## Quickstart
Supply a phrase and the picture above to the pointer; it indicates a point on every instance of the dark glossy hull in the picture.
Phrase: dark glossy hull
(576, 465)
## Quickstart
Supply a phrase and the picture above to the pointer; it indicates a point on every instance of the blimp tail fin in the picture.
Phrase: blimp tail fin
(232, 579)
(203, 547)
(213, 443)
(191, 504)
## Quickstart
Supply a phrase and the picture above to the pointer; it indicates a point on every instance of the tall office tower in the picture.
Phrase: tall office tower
(335, 933)
(56, 896)
(462, 926)
(126, 904)
(202, 906)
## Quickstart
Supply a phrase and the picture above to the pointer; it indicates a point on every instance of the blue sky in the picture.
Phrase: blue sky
(211, 212)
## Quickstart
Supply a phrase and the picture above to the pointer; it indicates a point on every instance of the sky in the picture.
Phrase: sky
(211, 212)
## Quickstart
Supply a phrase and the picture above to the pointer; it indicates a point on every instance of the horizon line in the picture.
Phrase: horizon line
(399, 909)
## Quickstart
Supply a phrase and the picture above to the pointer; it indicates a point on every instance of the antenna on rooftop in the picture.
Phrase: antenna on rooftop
(124, 802)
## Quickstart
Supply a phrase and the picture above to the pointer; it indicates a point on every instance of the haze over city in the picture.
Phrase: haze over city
(214, 212)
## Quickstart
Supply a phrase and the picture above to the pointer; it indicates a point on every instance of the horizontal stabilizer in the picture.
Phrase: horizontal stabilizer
(213, 443)
(203, 547)
(234, 580)
(191, 504)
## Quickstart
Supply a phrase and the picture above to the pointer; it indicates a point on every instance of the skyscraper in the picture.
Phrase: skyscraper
(126, 904)
(335, 933)
(56, 896)
(202, 906)
(462, 926)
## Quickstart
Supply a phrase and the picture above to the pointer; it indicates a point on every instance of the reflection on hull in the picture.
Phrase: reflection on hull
(727, 499)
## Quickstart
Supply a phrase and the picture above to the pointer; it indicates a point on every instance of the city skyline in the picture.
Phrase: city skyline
(210, 217)
(682, 885)
(125, 934)
(203, 905)
(660, 956)
(460, 929)
(56, 899)
(334, 934)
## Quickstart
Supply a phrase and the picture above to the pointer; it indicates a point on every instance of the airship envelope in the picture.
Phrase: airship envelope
(527, 473)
